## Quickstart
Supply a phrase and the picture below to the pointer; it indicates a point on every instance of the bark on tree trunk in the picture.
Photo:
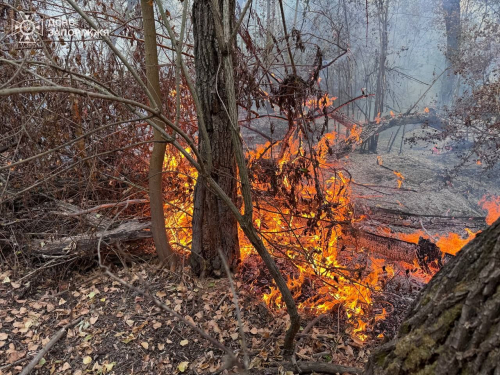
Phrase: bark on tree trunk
(454, 326)
(214, 226)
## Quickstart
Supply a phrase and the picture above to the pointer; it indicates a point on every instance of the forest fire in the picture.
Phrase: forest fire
(250, 187)
(301, 211)
(300, 222)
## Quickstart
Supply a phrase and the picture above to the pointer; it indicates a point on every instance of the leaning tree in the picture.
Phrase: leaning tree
(454, 325)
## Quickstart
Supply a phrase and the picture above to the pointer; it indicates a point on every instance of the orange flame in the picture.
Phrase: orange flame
(452, 243)
(491, 204)
(400, 178)
(426, 110)
(322, 102)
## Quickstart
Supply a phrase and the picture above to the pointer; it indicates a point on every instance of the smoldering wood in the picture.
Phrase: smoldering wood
(388, 248)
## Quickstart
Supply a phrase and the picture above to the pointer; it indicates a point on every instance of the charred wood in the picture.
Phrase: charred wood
(424, 253)
(411, 220)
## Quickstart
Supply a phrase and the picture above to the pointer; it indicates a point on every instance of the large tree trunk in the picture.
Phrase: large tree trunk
(162, 245)
(214, 226)
(454, 326)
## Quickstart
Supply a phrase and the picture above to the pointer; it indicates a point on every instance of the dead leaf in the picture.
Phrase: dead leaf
(66, 366)
(156, 325)
(109, 366)
(254, 331)
(145, 345)
(87, 360)
(161, 346)
(183, 366)
(93, 319)
(160, 294)
(3, 336)
(256, 362)
(62, 301)
(15, 355)
(184, 342)
(234, 336)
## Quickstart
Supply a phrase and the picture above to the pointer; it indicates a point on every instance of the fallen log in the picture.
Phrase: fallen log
(387, 247)
(127, 231)
(411, 220)
(424, 253)
(375, 127)
(89, 216)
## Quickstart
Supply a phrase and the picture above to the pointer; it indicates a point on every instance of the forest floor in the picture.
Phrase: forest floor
(122, 332)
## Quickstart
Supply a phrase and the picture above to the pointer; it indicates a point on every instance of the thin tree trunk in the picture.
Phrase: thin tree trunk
(214, 226)
(451, 10)
(454, 326)
(383, 9)
(162, 245)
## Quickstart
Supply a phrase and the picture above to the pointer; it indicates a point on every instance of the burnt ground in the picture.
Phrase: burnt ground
(431, 187)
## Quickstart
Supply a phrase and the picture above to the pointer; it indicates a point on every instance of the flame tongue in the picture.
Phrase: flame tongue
(491, 204)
